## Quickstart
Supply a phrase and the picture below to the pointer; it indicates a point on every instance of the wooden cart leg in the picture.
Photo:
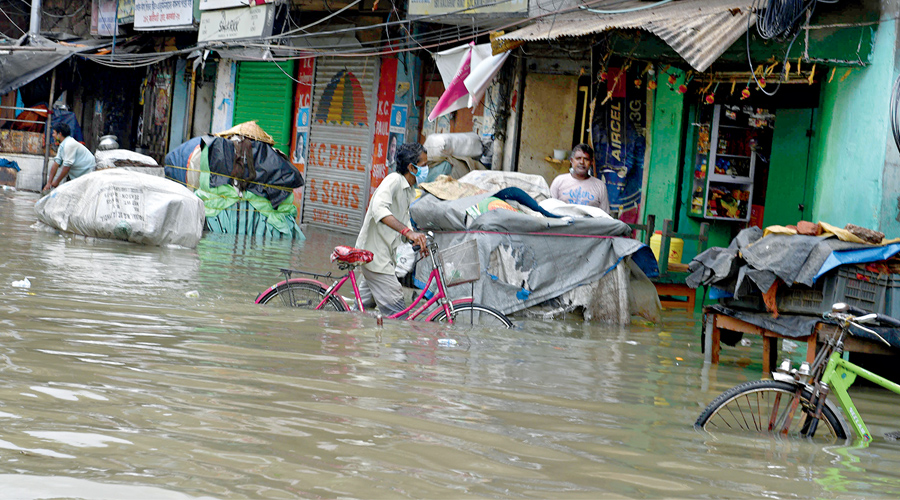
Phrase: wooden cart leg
(811, 347)
(714, 342)
(770, 351)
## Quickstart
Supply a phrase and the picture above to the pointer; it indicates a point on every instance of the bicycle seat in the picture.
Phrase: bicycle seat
(350, 255)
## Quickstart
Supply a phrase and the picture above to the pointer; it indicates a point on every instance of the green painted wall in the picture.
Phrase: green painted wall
(667, 129)
(786, 188)
(853, 126)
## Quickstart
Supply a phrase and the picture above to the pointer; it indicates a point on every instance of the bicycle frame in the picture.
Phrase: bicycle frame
(839, 375)
(436, 275)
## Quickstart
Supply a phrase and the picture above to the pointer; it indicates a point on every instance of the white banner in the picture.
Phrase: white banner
(235, 24)
(159, 14)
(228, 4)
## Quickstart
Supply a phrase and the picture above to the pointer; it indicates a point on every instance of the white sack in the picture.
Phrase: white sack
(128, 160)
(495, 180)
(124, 205)
(467, 144)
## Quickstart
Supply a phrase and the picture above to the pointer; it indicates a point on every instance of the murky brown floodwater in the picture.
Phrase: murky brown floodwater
(115, 385)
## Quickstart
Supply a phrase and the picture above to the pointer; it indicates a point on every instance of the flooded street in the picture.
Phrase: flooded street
(116, 381)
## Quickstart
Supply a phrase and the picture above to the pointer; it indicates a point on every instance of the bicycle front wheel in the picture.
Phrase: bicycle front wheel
(762, 407)
(302, 294)
(472, 314)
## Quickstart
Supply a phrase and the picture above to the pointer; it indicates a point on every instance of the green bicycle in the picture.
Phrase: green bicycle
(796, 402)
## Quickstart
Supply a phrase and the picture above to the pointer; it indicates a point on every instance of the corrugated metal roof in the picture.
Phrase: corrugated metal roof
(699, 30)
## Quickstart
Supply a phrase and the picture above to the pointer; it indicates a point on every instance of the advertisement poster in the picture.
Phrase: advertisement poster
(387, 85)
(618, 132)
(397, 133)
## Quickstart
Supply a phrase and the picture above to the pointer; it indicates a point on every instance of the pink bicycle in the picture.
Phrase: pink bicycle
(309, 293)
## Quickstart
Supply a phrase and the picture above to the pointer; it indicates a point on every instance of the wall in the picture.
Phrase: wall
(891, 171)
(850, 144)
(548, 118)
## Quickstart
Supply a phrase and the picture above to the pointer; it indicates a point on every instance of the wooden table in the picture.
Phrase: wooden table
(717, 321)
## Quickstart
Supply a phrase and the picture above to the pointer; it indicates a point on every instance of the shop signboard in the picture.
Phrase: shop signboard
(618, 132)
(228, 4)
(466, 7)
(236, 24)
(102, 14)
(381, 157)
(167, 14)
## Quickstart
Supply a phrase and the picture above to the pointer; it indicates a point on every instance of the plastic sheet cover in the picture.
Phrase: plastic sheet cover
(124, 205)
(527, 260)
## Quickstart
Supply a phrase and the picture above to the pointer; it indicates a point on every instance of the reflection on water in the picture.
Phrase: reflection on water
(119, 383)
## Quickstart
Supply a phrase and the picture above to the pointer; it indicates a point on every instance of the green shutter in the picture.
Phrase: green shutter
(265, 94)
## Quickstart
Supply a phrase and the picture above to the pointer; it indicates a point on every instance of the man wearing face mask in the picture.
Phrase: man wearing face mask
(578, 187)
(386, 224)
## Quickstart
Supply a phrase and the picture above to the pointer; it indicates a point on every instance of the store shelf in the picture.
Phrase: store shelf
(732, 156)
(730, 179)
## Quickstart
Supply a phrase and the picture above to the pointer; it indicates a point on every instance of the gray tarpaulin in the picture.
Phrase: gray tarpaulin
(794, 258)
(526, 260)
(20, 67)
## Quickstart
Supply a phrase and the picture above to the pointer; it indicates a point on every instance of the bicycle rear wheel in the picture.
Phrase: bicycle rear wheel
(761, 407)
(302, 294)
(472, 314)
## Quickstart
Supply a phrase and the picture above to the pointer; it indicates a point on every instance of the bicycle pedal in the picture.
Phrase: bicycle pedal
(892, 436)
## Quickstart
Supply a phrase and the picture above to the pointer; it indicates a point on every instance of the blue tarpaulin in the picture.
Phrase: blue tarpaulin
(4, 163)
(874, 254)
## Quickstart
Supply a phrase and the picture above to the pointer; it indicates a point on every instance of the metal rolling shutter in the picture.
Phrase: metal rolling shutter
(265, 94)
(340, 142)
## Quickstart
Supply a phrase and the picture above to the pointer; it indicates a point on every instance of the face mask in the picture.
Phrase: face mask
(421, 174)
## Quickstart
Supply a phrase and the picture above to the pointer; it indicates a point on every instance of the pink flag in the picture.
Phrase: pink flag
(455, 90)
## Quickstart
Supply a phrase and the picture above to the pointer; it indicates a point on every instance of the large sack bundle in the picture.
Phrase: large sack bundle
(127, 160)
(124, 205)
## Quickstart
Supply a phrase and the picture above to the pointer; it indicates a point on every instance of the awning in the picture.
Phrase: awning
(699, 30)
(20, 67)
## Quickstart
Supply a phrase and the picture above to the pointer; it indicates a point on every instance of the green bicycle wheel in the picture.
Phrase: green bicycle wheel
(762, 407)
(304, 295)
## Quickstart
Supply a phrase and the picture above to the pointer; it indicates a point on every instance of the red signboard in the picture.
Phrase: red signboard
(386, 88)
(300, 127)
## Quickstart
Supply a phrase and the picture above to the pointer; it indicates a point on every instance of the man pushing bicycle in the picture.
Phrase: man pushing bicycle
(386, 224)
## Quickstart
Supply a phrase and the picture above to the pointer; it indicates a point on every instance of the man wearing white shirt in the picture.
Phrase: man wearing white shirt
(578, 187)
(75, 159)
(386, 224)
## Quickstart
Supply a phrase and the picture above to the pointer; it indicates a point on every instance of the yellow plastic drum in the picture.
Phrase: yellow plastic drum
(676, 248)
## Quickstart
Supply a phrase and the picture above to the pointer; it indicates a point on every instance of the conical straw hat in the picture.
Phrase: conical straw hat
(250, 130)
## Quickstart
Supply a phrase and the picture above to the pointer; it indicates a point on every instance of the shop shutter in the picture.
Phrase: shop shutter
(265, 94)
(340, 143)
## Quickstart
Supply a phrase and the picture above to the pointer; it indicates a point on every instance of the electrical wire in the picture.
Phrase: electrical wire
(776, 20)
(12, 22)
(623, 11)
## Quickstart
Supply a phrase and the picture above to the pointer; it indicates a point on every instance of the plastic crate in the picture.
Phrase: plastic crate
(461, 264)
(892, 295)
(852, 285)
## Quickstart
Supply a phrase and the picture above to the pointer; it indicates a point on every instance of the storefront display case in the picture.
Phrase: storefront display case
(728, 141)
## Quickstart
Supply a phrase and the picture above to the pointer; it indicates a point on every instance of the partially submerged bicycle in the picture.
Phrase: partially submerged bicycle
(796, 402)
(309, 293)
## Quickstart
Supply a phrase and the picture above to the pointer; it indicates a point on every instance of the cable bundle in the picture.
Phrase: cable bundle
(777, 17)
